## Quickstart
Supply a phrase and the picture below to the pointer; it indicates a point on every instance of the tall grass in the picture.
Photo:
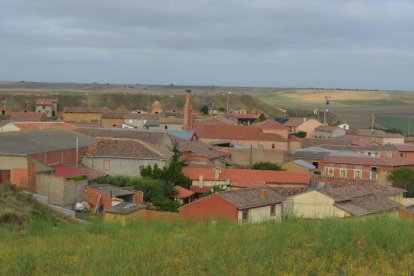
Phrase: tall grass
(375, 246)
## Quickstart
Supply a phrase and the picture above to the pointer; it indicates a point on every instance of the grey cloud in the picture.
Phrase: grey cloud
(352, 43)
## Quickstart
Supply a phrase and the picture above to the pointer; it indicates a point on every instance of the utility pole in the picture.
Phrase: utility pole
(228, 95)
(372, 121)
(409, 126)
(325, 111)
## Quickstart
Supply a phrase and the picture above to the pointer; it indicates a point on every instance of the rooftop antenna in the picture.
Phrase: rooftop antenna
(325, 111)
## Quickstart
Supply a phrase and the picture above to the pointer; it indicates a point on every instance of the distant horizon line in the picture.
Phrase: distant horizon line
(205, 85)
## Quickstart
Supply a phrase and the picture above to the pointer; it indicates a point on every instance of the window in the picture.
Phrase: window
(329, 171)
(402, 154)
(273, 146)
(357, 174)
(316, 164)
(373, 173)
(245, 215)
(343, 173)
(165, 127)
(43, 107)
(107, 165)
(273, 210)
(389, 153)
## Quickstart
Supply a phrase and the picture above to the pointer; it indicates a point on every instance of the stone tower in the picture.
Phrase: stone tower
(188, 111)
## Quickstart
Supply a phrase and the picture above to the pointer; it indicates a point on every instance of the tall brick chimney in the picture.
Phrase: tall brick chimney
(188, 111)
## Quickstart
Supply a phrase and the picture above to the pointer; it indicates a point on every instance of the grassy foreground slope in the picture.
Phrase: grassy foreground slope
(336, 247)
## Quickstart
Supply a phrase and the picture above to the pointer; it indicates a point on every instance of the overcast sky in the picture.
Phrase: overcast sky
(291, 43)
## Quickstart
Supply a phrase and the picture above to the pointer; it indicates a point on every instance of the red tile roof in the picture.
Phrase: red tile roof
(183, 192)
(28, 117)
(230, 132)
(200, 190)
(125, 148)
(42, 125)
(69, 171)
(405, 147)
(248, 178)
(369, 161)
(46, 101)
(269, 124)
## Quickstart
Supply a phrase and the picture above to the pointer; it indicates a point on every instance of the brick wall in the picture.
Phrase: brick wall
(211, 207)
(63, 157)
(82, 117)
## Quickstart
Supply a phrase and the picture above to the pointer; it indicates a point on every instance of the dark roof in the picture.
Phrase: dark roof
(366, 205)
(250, 198)
(158, 138)
(363, 199)
(125, 208)
(40, 141)
(125, 148)
(116, 191)
(289, 191)
(198, 147)
(348, 192)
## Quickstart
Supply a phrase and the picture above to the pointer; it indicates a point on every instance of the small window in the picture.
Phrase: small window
(316, 164)
(272, 210)
(343, 173)
(358, 174)
(329, 171)
(165, 127)
(245, 215)
(402, 154)
(43, 107)
(273, 146)
(389, 153)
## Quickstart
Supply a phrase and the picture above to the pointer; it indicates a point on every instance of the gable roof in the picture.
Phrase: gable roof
(304, 164)
(363, 199)
(158, 138)
(250, 198)
(248, 178)
(40, 141)
(231, 132)
(28, 116)
(125, 148)
(269, 124)
(47, 102)
(296, 121)
(183, 192)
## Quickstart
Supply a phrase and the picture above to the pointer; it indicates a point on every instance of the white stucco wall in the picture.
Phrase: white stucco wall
(312, 205)
(261, 214)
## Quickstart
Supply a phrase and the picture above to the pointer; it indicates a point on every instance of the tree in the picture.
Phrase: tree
(300, 134)
(403, 178)
(204, 110)
(266, 166)
(261, 118)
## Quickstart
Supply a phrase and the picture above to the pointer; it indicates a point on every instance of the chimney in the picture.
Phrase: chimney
(217, 173)
(188, 111)
(263, 194)
(304, 119)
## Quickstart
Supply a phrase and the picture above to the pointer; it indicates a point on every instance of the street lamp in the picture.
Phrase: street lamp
(228, 94)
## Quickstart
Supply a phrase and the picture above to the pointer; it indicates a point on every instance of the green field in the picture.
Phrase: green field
(397, 122)
(335, 247)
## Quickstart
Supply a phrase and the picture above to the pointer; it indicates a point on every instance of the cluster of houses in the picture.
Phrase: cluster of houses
(332, 172)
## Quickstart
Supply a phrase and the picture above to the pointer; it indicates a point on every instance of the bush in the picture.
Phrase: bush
(266, 166)
(403, 178)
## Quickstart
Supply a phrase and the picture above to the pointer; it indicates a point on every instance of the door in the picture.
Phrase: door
(4, 176)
